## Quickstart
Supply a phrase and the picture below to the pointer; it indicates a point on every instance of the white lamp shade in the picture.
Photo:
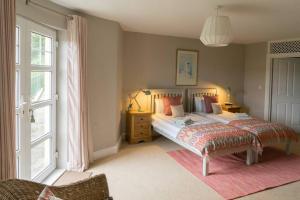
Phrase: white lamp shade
(216, 31)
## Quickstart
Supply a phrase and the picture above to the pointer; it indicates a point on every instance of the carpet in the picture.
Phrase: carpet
(232, 178)
(69, 177)
(147, 172)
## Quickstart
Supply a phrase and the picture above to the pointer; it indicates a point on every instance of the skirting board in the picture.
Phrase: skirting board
(108, 151)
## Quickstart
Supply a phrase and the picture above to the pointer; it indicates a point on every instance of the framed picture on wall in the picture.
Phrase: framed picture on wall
(186, 67)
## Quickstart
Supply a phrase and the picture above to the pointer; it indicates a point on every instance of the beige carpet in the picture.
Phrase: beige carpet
(145, 171)
(148, 173)
(72, 177)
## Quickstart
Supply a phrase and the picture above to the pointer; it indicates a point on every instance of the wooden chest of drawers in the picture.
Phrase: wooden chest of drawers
(138, 127)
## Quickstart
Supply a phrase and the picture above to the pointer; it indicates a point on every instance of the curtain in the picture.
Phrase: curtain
(79, 140)
(7, 89)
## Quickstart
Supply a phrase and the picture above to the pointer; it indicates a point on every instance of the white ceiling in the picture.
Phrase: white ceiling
(252, 20)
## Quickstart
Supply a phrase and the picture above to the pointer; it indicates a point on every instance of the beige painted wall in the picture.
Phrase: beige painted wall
(104, 83)
(255, 77)
(150, 62)
(44, 16)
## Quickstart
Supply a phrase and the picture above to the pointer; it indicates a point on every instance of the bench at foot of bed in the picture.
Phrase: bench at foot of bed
(205, 162)
(287, 151)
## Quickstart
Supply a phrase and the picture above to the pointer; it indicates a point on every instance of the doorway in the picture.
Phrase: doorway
(35, 100)
(285, 92)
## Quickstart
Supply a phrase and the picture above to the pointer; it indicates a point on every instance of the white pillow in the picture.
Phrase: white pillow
(159, 106)
(217, 108)
(177, 111)
(199, 106)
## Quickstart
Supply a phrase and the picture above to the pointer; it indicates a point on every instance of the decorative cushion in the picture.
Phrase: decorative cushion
(203, 106)
(217, 108)
(177, 111)
(159, 106)
(168, 101)
(199, 104)
(47, 194)
(208, 100)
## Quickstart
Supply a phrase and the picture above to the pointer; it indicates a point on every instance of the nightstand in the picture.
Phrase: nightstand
(138, 127)
(232, 108)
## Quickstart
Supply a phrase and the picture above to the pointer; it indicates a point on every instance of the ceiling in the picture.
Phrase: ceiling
(252, 20)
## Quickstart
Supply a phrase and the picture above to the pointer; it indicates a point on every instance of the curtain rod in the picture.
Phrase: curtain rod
(49, 9)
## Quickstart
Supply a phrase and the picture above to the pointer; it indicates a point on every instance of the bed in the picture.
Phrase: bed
(267, 133)
(205, 137)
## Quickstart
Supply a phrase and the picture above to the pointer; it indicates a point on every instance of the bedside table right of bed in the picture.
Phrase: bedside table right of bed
(232, 108)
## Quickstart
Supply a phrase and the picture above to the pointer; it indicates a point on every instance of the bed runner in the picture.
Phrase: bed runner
(214, 137)
(267, 132)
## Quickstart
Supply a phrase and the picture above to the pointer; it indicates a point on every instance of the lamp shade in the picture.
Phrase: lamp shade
(216, 31)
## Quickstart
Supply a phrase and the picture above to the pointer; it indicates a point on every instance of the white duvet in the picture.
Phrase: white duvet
(172, 125)
(225, 117)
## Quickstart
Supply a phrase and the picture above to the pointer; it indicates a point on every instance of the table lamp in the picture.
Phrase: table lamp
(134, 98)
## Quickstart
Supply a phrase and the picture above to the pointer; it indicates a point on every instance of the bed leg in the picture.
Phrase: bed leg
(205, 167)
(288, 147)
(255, 156)
(249, 160)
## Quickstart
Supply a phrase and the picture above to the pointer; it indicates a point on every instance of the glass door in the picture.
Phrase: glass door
(36, 100)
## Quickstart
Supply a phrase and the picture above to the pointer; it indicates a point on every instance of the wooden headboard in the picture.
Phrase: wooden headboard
(160, 93)
(198, 92)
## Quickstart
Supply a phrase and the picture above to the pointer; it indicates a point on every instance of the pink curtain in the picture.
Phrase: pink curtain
(7, 89)
(79, 141)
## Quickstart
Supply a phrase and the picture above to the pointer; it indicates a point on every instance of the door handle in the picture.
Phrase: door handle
(32, 119)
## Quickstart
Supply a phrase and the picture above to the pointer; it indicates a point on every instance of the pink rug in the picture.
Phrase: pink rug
(232, 178)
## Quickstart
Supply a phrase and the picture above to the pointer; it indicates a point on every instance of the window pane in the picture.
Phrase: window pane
(40, 86)
(18, 167)
(17, 132)
(41, 124)
(17, 45)
(41, 50)
(40, 157)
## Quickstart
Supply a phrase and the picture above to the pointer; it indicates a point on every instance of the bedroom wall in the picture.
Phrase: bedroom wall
(255, 77)
(43, 16)
(104, 81)
(150, 62)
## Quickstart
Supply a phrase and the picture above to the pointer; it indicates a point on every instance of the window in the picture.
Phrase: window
(35, 100)
(41, 50)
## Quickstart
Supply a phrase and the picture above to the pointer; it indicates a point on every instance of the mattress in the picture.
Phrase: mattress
(226, 117)
(169, 126)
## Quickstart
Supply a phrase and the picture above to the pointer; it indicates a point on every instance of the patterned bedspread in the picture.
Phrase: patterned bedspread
(266, 132)
(214, 137)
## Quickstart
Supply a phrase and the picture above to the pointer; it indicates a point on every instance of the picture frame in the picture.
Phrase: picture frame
(186, 67)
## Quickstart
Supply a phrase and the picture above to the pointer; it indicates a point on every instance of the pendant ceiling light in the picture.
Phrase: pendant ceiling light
(216, 31)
